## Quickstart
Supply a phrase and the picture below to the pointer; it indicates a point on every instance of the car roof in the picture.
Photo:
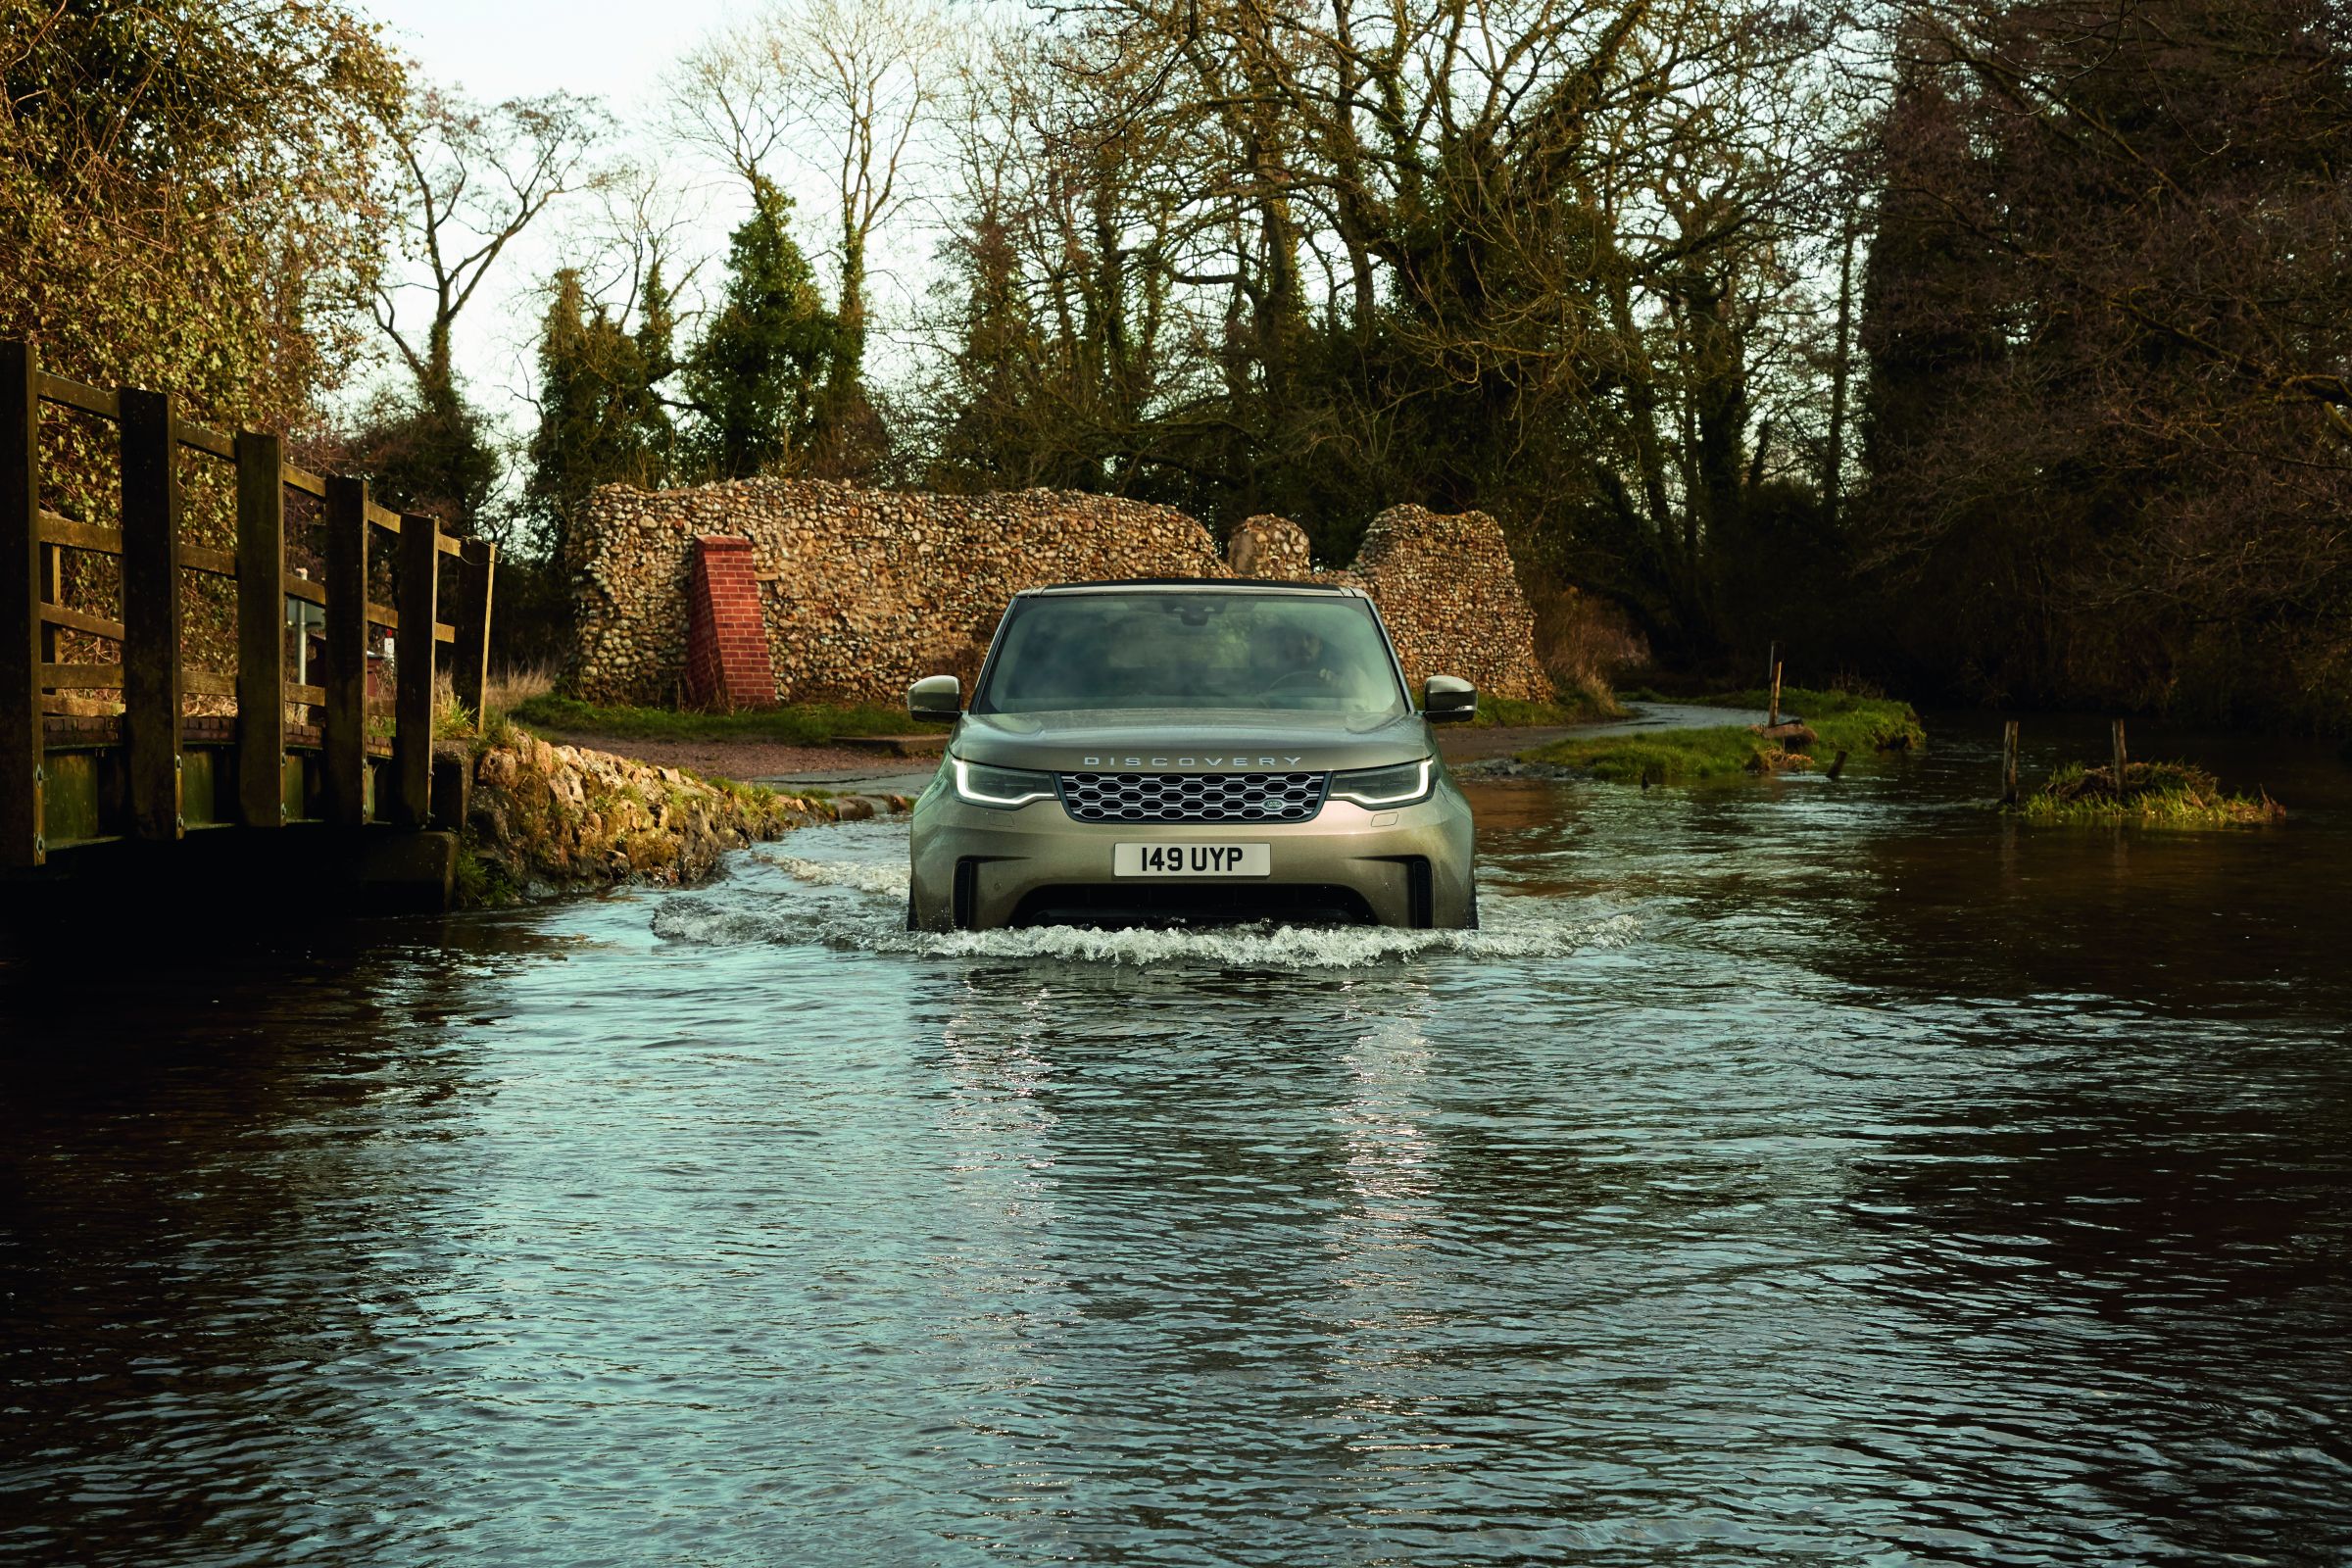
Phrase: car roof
(1195, 584)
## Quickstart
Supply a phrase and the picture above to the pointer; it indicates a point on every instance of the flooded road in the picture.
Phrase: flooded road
(1791, 1172)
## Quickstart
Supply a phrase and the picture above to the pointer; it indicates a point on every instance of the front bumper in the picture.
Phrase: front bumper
(983, 867)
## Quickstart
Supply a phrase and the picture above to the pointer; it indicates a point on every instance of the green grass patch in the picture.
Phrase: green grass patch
(2154, 795)
(1844, 720)
(1665, 756)
(797, 725)
(1509, 713)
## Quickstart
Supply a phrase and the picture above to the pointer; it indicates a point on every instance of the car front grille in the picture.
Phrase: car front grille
(1193, 797)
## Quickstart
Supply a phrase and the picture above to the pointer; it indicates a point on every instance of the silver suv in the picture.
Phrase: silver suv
(1178, 751)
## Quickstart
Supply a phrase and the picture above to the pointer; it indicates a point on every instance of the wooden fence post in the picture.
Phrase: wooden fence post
(261, 631)
(2009, 764)
(413, 695)
(1775, 717)
(2123, 758)
(469, 659)
(22, 804)
(52, 592)
(151, 683)
(343, 661)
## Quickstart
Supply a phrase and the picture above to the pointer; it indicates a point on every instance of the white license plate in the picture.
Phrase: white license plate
(1191, 860)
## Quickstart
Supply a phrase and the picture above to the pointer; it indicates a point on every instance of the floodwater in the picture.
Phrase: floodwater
(1792, 1172)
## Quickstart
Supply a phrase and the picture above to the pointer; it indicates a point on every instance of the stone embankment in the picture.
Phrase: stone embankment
(863, 591)
(544, 818)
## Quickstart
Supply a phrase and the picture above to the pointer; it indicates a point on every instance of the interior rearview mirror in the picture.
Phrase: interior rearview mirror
(1449, 699)
(935, 697)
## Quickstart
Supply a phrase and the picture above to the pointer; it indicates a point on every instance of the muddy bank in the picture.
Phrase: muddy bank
(543, 819)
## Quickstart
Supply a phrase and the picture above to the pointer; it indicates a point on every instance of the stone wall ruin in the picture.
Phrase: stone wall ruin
(865, 591)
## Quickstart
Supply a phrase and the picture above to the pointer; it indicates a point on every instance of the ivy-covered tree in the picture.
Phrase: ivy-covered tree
(601, 419)
(986, 382)
(434, 457)
(190, 199)
(753, 380)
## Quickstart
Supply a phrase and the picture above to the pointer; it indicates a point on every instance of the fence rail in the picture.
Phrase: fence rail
(303, 751)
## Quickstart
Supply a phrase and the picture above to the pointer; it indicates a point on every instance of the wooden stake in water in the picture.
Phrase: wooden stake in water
(2009, 764)
(1774, 716)
(2122, 759)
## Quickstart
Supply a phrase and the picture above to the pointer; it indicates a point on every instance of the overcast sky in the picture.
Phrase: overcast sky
(513, 48)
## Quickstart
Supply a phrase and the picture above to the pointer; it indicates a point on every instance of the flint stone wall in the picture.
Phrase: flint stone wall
(865, 591)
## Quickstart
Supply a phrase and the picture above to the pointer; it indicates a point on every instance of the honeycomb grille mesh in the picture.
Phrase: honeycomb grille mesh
(1193, 797)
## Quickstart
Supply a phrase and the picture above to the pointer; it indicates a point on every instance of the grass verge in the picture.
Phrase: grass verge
(1840, 720)
(1844, 722)
(1667, 757)
(797, 725)
(2154, 795)
(1509, 713)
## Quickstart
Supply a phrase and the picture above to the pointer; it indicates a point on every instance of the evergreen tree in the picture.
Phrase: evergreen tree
(601, 419)
(656, 354)
(567, 415)
(428, 455)
(993, 429)
(755, 379)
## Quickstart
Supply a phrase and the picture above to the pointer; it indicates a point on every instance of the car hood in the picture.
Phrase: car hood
(1189, 741)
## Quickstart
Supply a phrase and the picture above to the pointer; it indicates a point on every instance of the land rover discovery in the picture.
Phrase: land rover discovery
(1191, 752)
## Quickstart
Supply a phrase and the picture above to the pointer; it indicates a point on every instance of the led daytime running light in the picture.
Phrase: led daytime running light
(1419, 789)
(966, 790)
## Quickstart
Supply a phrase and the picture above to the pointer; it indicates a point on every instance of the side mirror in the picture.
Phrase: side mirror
(935, 697)
(1449, 699)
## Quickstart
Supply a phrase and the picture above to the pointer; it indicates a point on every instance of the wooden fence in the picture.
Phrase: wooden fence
(293, 753)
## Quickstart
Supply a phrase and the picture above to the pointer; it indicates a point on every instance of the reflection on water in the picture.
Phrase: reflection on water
(1799, 1172)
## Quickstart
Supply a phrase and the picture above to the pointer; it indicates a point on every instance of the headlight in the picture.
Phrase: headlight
(1400, 785)
(983, 785)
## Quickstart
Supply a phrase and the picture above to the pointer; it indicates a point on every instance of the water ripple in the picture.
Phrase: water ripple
(1514, 928)
(1786, 1175)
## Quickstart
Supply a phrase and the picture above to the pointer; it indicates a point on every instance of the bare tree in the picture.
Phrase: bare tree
(472, 178)
(845, 87)
(731, 99)
(872, 76)
(1556, 247)
(634, 227)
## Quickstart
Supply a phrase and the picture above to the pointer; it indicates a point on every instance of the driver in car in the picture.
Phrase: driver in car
(1303, 665)
(1296, 662)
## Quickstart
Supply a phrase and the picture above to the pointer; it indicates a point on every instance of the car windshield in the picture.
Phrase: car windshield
(1188, 649)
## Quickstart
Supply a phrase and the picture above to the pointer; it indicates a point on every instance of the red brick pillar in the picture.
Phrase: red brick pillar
(726, 636)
